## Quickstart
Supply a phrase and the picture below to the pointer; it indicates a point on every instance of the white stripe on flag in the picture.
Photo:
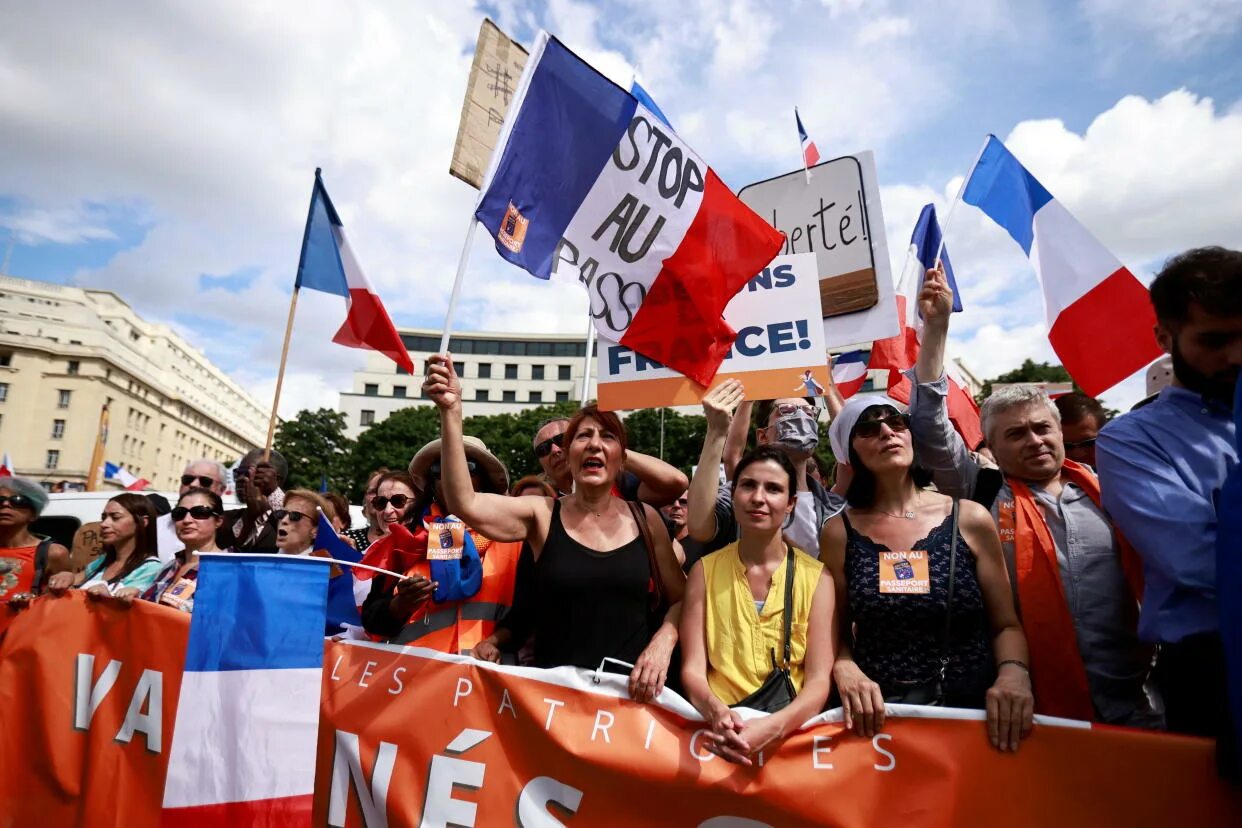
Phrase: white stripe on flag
(1067, 258)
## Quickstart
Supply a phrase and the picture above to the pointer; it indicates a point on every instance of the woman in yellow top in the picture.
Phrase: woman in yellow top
(735, 615)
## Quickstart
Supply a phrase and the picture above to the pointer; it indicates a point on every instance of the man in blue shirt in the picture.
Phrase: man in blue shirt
(1161, 468)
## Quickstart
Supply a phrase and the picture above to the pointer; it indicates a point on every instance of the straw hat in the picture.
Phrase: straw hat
(476, 450)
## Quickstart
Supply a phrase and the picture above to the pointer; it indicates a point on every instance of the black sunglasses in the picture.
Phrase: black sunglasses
(196, 512)
(868, 429)
(294, 517)
(379, 504)
(1090, 441)
(16, 501)
(434, 471)
(203, 480)
(544, 448)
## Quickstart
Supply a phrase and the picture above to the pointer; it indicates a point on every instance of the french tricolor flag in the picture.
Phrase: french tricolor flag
(327, 264)
(243, 750)
(849, 372)
(810, 153)
(588, 181)
(1100, 319)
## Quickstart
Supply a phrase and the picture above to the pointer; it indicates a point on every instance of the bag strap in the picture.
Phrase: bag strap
(644, 531)
(789, 594)
(40, 564)
(948, 614)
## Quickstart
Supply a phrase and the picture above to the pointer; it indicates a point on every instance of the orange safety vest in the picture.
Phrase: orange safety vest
(457, 626)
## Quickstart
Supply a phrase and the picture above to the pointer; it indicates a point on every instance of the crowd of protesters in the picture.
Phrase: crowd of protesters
(1068, 569)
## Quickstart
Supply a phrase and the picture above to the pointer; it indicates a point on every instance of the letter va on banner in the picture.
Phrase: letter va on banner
(779, 340)
(835, 214)
(498, 63)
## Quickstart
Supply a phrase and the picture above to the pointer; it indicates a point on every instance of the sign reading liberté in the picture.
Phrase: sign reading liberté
(833, 211)
(779, 340)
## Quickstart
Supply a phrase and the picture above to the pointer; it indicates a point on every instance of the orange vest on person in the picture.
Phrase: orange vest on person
(457, 626)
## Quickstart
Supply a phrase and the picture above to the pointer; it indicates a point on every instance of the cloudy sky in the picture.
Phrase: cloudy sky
(166, 152)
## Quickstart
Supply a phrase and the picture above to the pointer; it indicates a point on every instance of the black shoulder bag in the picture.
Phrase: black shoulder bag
(778, 690)
(930, 692)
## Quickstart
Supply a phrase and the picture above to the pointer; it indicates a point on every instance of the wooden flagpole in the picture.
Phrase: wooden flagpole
(280, 375)
(97, 455)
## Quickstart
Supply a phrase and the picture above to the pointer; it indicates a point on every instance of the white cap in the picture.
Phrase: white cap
(843, 423)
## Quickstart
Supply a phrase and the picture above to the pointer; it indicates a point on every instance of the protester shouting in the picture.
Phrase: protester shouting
(196, 519)
(1076, 580)
(643, 478)
(130, 559)
(604, 568)
(297, 522)
(459, 581)
(926, 612)
(758, 627)
(258, 482)
(27, 561)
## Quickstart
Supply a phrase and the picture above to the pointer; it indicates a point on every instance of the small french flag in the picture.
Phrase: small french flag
(849, 372)
(243, 750)
(810, 154)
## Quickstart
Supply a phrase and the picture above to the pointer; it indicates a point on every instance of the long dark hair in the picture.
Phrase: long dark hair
(861, 492)
(146, 538)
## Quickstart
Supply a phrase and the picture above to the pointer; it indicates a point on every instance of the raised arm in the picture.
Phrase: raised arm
(495, 516)
(658, 483)
(832, 395)
(718, 408)
(739, 434)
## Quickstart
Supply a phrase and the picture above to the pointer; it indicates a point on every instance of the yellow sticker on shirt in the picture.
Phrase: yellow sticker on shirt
(445, 540)
(904, 573)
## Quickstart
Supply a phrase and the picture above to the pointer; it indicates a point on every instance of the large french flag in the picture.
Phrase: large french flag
(1100, 319)
(587, 180)
(243, 750)
(327, 264)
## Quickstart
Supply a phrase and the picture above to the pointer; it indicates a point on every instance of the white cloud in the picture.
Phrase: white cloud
(883, 29)
(1174, 25)
(61, 225)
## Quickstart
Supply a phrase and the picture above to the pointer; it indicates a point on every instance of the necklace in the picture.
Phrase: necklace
(908, 514)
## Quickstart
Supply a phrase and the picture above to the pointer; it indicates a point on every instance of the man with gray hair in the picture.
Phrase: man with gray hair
(204, 474)
(1076, 580)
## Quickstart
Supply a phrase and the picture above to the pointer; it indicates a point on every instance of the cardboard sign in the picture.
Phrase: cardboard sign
(498, 63)
(836, 215)
(779, 340)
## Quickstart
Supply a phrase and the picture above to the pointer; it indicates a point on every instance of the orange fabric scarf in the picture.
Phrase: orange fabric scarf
(1057, 673)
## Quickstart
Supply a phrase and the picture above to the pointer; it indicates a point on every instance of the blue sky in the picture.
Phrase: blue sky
(168, 153)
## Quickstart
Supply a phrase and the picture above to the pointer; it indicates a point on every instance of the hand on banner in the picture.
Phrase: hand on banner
(761, 732)
(412, 593)
(720, 402)
(486, 650)
(650, 671)
(936, 297)
(98, 592)
(125, 597)
(60, 582)
(442, 384)
(862, 703)
(726, 727)
(1011, 708)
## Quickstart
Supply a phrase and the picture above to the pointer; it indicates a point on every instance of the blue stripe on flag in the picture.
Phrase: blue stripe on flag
(852, 356)
(566, 129)
(801, 130)
(646, 100)
(926, 241)
(342, 608)
(256, 613)
(319, 267)
(1001, 187)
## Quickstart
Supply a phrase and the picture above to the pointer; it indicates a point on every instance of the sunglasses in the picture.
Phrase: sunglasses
(869, 429)
(785, 409)
(681, 501)
(196, 512)
(379, 504)
(1090, 441)
(434, 471)
(544, 448)
(294, 517)
(16, 501)
(203, 480)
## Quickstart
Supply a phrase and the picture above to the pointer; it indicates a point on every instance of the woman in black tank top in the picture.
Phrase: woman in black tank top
(605, 583)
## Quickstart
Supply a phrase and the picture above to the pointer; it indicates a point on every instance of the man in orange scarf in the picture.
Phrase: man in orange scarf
(1076, 581)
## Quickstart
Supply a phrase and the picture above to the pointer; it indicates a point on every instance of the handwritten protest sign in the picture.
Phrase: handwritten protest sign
(498, 63)
(779, 339)
(836, 215)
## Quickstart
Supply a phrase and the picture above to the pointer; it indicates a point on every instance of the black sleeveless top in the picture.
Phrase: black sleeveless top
(590, 604)
(898, 638)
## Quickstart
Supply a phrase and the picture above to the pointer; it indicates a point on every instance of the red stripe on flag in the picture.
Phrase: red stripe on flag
(367, 325)
(1107, 334)
(274, 813)
(896, 352)
(811, 153)
(679, 323)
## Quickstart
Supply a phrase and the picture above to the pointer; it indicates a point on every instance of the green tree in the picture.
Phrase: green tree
(316, 448)
(683, 435)
(391, 444)
(1030, 371)
(511, 436)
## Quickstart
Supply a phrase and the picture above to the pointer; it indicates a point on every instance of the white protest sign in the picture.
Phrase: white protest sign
(778, 352)
(836, 215)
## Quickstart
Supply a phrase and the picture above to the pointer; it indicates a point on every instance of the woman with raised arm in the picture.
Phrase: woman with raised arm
(758, 628)
(927, 616)
(604, 569)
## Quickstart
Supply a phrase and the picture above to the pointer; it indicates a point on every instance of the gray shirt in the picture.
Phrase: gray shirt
(1092, 578)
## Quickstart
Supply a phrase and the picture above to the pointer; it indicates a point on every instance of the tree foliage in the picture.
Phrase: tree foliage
(683, 435)
(391, 444)
(511, 436)
(1029, 371)
(316, 448)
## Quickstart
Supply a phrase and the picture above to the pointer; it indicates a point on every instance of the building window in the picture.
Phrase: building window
(510, 372)
(371, 389)
(536, 396)
(58, 429)
(481, 395)
(398, 391)
(536, 372)
(510, 396)
(562, 372)
(368, 418)
(562, 396)
(4, 391)
(62, 398)
(459, 368)
(485, 370)
(6, 359)
(53, 459)
(74, 365)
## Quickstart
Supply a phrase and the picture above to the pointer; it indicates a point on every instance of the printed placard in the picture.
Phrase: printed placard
(445, 541)
(904, 573)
